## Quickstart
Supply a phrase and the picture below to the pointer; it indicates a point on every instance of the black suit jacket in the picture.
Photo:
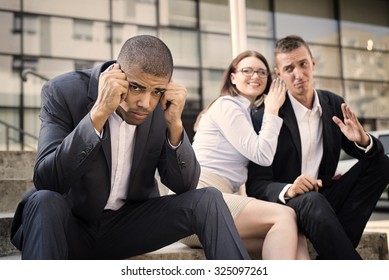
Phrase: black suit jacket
(74, 161)
(267, 182)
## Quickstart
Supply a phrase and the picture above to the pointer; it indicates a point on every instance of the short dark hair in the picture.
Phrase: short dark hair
(228, 88)
(290, 43)
(147, 52)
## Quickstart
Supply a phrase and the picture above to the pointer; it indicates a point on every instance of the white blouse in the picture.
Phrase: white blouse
(225, 140)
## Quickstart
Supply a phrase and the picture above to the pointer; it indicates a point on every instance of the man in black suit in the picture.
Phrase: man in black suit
(104, 133)
(331, 212)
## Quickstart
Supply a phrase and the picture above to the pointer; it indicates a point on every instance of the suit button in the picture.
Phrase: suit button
(83, 156)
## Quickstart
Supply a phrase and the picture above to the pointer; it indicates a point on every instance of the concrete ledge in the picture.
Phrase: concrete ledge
(373, 246)
(17, 164)
(6, 247)
(11, 191)
(175, 251)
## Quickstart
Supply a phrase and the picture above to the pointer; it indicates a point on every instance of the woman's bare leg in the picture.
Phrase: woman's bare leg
(272, 223)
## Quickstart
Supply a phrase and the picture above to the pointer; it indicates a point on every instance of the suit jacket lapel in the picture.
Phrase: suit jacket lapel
(287, 114)
(328, 141)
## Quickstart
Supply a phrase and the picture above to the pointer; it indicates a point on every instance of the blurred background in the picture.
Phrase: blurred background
(40, 39)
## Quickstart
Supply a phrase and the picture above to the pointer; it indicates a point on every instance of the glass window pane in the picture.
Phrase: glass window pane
(327, 61)
(190, 79)
(360, 27)
(313, 20)
(265, 47)
(215, 16)
(366, 65)
(333, 85)
(9, 33)
(212, 80)
(135, 11)
(65, 37)
(368, 99)
(10, 5)
(10, 90)
(70, 8)
(365, 36)
(259, 18)
(355, 10)
(213, 55)
(82, 30)
(183, 44)
(125, 32)
(178, 13)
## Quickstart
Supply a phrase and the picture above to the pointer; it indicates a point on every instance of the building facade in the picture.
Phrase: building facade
(40, 39)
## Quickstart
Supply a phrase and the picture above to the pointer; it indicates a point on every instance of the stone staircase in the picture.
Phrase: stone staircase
(16, 169)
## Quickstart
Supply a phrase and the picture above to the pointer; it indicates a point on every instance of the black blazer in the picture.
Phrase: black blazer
(74, 161)
(267, 182)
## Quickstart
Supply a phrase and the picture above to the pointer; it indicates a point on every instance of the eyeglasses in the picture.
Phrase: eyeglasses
(249, 72)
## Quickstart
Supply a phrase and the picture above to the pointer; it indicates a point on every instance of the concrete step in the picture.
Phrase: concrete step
(16, 171)
(17, 164)
(373, 246)
(6, 247)
(11, 191)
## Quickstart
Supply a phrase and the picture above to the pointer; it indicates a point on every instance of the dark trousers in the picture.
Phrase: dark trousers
(334, 218)
(51, 231)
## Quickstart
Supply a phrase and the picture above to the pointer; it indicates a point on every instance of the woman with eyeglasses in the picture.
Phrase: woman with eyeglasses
(225, 142)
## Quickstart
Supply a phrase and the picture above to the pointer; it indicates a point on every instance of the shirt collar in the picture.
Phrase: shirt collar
(300, 110)
(246, 103)
(116, 117)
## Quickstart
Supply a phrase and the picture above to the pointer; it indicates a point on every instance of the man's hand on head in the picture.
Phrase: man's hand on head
(112, 90)
(173, 102)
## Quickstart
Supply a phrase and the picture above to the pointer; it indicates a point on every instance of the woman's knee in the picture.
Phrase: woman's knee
(285, 214)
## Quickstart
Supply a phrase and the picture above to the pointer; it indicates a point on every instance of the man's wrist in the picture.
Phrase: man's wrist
(174, 147)
(282, 196)
(368, 147)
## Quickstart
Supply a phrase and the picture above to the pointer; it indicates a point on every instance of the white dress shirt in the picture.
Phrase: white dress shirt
(226, 141)
(122, 153)
(122, 147)
(311, 135)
